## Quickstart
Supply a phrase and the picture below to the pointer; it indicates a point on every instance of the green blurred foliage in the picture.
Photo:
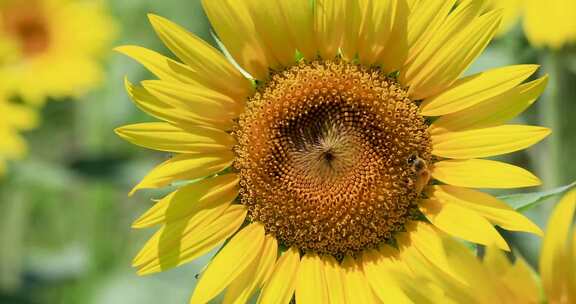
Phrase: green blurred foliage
(65, 216)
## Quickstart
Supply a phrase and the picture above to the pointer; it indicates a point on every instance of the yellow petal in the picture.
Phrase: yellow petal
(442, 68)
(572, 276)
(299, 16)
(279, 288)
(166, 137)
(481, 173)
(496, 261)
(329, 26)
(379, 271)
(273, 29)
(397, 47)
(382, 38)
(426, 240)
(446, 24)
(356, 286)
(476, 276)
(494, 111)
(511, 12)
(161, 66)
(522, 282)
(311, 284)
(236, 256)
(476, 88)
(486, 142)
(185, 167)
(180, 242)
(453, 286)
(425, 19)
(190, 199)
(355, 18)
(211, 68)
(412, 4)
(334, 276)
(419, 290)
(493, 209)
(19, 116)
(555, 255)
(232, 22)
(170, 112)
(252, 278)
(203, 103)
(462, 222)
(12, 145)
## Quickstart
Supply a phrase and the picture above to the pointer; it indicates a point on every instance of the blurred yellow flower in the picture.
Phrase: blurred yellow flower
(558, 256)
(49, 48)
(325, 152)
(510, 12)
(497, 277)
(13, 118)
(550, 23)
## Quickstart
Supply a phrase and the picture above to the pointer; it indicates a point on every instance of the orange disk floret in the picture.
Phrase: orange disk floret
(325, 154)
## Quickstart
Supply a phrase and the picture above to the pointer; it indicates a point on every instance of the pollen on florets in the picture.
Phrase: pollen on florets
(324, 153)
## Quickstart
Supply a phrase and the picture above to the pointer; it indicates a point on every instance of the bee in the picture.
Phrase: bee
(421, 172)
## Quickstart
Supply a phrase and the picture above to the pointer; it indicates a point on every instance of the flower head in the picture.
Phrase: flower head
(545, 23)
(351, 151)
(50, 48)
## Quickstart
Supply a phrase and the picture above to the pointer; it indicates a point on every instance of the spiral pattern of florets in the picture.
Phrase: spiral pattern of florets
(324, 153)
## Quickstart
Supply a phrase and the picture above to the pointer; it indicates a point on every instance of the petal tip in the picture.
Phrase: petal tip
(123, 49)
(153, 17)
(536, 182)
(532, 68)
(158, 22)
(120, 132)
(133, 191)
(504, 246)
(143, 272)
(538, 231)
(138, 224)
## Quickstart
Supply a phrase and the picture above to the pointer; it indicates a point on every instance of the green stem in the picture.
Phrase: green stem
(14, 219)
(557, 165)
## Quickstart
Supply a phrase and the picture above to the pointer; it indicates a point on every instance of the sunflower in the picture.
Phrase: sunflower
(340, 141)
(13, 118)
(49, 48)
(546, 23)
(506, 281)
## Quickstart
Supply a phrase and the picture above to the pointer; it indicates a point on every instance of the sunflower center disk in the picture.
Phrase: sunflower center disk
(325, 153)
(24, 21)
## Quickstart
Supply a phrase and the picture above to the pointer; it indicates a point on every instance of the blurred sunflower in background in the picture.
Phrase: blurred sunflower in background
(498, 279)
(50, 48)
(13, 119)
(546, 23)
(550, 23)
(550, 28)
(336, 152)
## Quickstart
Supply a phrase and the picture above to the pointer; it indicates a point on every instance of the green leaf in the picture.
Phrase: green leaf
(525, 201)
